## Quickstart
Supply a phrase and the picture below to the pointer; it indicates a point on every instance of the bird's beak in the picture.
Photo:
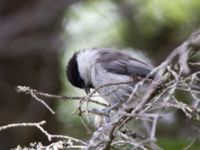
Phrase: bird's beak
(87, 89)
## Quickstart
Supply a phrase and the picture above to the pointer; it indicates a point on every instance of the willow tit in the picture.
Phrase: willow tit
(91, 68)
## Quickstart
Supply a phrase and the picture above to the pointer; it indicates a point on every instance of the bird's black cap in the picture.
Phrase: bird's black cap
(73, 74)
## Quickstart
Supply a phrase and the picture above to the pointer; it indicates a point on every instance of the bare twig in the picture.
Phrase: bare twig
(42, 101)
(38, 125)
(28, 90)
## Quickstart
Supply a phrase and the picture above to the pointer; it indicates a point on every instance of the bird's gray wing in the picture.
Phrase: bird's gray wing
(120, 63)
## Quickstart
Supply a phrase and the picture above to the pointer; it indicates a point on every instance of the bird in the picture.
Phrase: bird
(92, 67)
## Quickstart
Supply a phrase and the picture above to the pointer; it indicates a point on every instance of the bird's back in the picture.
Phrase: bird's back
(113, 68)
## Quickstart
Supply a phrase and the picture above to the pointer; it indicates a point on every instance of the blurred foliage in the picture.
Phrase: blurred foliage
(176, 144)
(155, 26)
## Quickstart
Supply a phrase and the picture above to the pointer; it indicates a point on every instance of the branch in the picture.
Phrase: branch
(38, 125)
(28, 90)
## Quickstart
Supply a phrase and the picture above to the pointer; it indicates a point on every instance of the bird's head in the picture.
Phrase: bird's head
(74, 75)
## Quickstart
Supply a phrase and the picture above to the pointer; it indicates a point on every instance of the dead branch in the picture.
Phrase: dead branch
(38, 125)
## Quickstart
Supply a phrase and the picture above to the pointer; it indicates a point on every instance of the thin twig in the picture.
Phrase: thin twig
(42, 102)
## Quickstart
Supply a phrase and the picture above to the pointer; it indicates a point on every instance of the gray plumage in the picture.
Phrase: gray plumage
(100, 66)
(119, 63)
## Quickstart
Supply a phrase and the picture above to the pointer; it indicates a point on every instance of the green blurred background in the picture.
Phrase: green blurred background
(37, 39)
